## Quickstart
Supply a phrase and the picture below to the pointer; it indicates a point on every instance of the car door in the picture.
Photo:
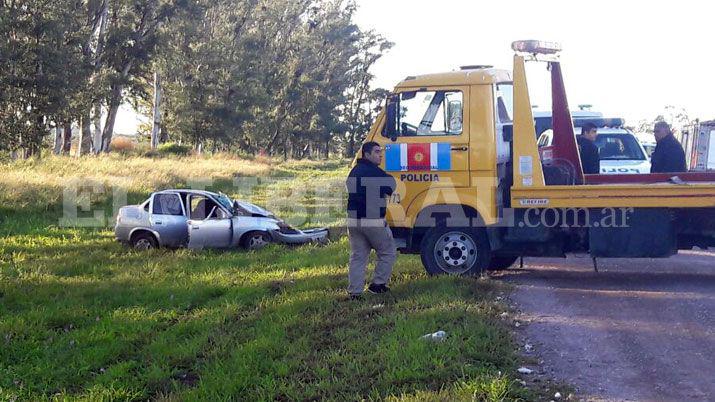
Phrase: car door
(210, 225)
(168, 218)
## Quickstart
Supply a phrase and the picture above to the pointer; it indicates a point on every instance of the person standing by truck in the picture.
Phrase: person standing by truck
(590, 160)
(668, 156)
(368, 186)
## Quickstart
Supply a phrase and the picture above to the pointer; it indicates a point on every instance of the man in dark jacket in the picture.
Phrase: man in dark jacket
(368, 186)
(590, 160)
(668, 156)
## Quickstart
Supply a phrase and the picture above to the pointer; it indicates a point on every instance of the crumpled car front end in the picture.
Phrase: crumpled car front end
(280, 231)
(288, 235)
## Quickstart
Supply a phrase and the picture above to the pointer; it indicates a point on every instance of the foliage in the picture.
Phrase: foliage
(273, 76)
(677, 117)
(122, 145)
(42, 69)
(172, 148)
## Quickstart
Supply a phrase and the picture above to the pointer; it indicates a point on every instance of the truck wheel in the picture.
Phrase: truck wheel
(501, 262)
(143, 241)
(255, 240)
(455, 251)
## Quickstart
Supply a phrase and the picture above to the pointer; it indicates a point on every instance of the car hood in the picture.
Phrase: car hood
(254, 209)
(625, 166)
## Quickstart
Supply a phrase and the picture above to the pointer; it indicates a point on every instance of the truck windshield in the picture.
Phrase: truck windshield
(619, 147)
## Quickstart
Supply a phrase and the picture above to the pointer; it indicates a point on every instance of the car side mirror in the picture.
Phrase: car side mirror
(390, 131)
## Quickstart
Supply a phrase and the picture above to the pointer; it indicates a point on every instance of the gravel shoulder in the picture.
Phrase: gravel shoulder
(638, 330)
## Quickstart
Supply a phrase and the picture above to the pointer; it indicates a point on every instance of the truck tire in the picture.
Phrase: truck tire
(455, 251)
(501, 262)
(144, 241)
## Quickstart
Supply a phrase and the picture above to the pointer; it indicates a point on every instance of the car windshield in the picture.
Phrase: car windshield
(225, 201)
(619, 147)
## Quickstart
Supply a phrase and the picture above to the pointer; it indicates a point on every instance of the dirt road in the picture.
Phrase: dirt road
(640, 330)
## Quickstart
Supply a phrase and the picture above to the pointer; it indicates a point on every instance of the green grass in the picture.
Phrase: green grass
(83, 318)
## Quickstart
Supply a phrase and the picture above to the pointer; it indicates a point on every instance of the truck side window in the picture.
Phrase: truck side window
(505, 102)
(429, 113)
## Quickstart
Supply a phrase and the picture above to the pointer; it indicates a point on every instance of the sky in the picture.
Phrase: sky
(626, 58)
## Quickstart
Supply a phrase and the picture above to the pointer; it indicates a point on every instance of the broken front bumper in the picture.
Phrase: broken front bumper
(318, 235)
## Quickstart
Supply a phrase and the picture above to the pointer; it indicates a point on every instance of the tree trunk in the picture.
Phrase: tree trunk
(156, 128)
(350, 151)
(285, 149)
(97, 126)
(274, 136)
(67, 138)
(57, 148)
(164, 137)
(114, 101)
(85, 135)
(100, 39)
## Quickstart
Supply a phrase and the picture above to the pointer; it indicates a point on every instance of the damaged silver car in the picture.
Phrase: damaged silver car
(203, 219)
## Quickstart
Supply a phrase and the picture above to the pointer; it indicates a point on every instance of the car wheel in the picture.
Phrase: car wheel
(255, 240)
(144, 241)
(501, 262)
(455, 251)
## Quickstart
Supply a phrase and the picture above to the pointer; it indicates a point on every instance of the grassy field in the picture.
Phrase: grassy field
(82, 317)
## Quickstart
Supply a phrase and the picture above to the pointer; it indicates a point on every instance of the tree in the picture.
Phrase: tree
(362, 102)
(41, 71)
(130, 44)
(286, 77)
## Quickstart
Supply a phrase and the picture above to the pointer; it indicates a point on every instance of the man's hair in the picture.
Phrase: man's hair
(587, 128)
(368, 147)
(661, 125)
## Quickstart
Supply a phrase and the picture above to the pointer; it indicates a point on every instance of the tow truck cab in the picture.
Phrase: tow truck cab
(473, 194)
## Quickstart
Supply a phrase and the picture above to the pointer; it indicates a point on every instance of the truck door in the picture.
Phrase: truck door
(425, 139)
(168, 218)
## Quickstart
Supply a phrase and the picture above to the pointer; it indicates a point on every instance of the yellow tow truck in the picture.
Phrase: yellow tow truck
(474, 193)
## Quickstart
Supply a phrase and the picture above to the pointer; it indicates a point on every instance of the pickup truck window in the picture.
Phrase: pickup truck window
(167, 204)
(429, 113)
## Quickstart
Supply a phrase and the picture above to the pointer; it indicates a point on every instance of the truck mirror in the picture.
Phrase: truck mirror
(507, 133)
(454, 117)
(391, 122)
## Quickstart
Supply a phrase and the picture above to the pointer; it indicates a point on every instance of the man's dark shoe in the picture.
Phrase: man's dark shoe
(355, 296)
(377, 289)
